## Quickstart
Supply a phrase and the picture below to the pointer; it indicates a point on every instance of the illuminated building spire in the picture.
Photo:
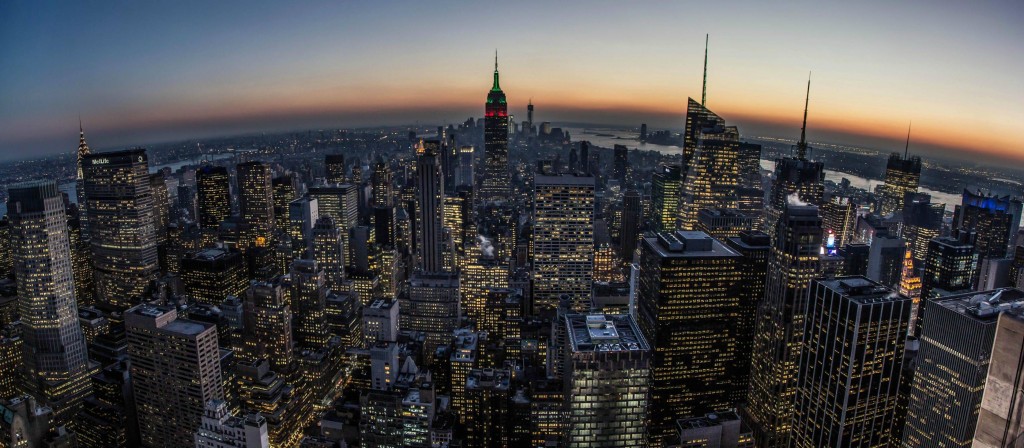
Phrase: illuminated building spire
(83, 147)
(802, 146)
(906, 149)
(704, 88)
(495, 87)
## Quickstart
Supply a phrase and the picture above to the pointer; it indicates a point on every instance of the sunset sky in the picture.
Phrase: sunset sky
(145, 72)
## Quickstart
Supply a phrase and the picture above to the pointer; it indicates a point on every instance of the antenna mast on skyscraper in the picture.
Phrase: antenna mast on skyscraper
(906, 149)
(802, 146)
(704, 86)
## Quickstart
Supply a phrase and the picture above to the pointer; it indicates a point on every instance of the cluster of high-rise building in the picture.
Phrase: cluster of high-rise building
(444, 296)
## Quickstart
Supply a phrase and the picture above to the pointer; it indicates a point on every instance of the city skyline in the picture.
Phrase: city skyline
(181, 75)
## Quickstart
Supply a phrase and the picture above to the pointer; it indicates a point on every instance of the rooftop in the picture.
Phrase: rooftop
(604, 333)
(986, 305)
(863, 290)
(688, 244)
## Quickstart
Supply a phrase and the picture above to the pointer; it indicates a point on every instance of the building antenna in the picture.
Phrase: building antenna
(802, 146)
(906, 149)
(704, 86)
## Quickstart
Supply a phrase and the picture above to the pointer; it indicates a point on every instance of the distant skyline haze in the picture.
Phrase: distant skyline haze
(141, 73)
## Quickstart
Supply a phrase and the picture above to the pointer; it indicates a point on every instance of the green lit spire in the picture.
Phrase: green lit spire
(495, 87)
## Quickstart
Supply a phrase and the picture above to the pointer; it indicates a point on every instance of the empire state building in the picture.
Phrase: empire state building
(497, 178)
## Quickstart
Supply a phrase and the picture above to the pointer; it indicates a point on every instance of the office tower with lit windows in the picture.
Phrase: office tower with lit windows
(698, 118)
(285, 192)
(382, 183)
(83, 151)
(477, 279)
(431, 306)
(449, 160)
(56, 364)
(995, 220)
(632, 219)
(885, 259)
(256, 203)
(951, 265)
(798, 177)
(714, 430)
(334, 168)
(329, 251)
(497, 177)
(466, 164)
(755, 247)
(922, 221)
(606, 382)
(722, 223)
(687, 306)
(210, 275)
(81, 258)
(458, 220)
(952, 364)
(463, 356)
(267, 326)
(213, 196)
(620, 164)
(161, 206)
(910, 286)
(563, 241)
(429, 207)
(488, 414)
(749, 164)
(309, 300)
(665, 195)
(303, 214)
(839, 216)
(380, 322)
(221, 429)
(340, 201)
(851, 361)
(108, 418)
(118, 193)
(902, 176)
(999, 420)
(175, 371)
(712, 169)
(793, 262)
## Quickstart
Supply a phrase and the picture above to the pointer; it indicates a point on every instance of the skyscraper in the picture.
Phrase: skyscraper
(712, 170)
(256, 203)
(329, 251)
(885, 259)
(497, 177)
(922, 221)
(175, 371)
(213, 195)
(902, 176)
(850, 364)
(620, 165)
(309, 298)
(950, 267)
(210, 275)
(606, 381)
(54, 353)
(999, 421)
(466, 162)
(798, 175)
(334, 168)
(284, 192)
(119, 195)
(665, 195)
(382, 183)
(83, 151)
(688, 302)
(793, 262)
(563, 241)
(949, 380)
(995, 220)
(755, 248)
(430, 206)
(632, 218)
(431, 306)
(303, 214)
(839, 215)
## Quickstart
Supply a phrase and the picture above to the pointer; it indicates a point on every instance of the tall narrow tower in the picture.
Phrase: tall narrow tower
(83, 151)
(497, 178)
(55, 359)
(430, 205)
(797, 175)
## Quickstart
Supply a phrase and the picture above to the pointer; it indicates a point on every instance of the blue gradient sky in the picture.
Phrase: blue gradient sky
(142, 72)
